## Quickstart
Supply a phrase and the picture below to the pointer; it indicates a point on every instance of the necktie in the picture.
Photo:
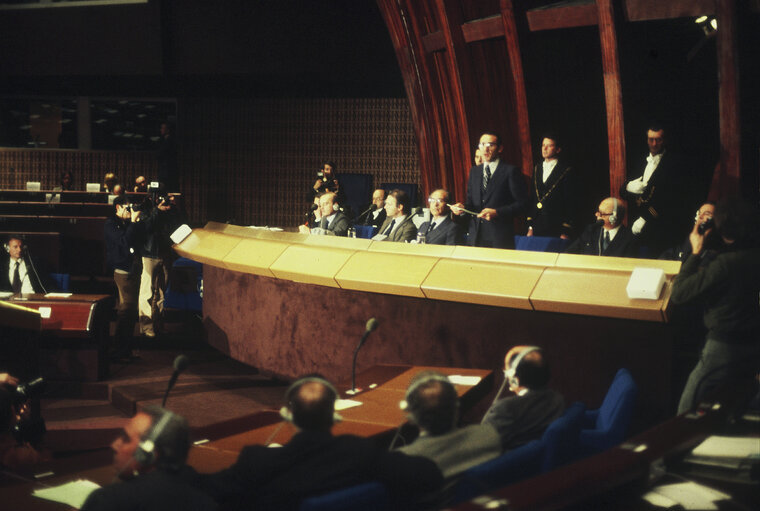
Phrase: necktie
(431, 227)
(390, 228)
(487, 176)
(16, 284)
(606, 241)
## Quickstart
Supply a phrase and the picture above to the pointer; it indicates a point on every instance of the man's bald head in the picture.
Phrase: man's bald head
(609, 209)
(313, 405)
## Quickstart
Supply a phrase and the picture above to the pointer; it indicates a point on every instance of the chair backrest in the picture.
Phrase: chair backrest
(617, 408)
(367, 497)
(512, 466)
(409, 188)
(365, 231)
(562, 437)
(541, 244)
(358, 191)
(61, 281)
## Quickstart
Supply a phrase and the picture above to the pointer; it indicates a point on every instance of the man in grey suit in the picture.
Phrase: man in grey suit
(333, 221)
(433, 405)
(524, 416)
(441, 229)
(398, 225)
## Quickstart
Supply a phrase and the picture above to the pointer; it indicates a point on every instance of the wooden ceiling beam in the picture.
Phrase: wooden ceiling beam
(646, 10)
(566, 16)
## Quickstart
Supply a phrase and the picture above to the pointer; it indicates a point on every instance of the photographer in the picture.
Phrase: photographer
(19, 430)
(727, 286)
(121, 233)
(160, 217)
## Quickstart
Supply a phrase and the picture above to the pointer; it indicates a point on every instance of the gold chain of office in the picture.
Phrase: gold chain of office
(539, 204)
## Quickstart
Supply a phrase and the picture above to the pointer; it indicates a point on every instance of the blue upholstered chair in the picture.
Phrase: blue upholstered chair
(561, 438)
(358, 190)
(409, 188)
(61, 282)
(365, 231)
(367, 497)
(541, 244)
(184, 289)
(608, 426)
(512, 466)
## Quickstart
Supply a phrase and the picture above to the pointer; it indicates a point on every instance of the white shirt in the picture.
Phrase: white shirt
(491, 166)
(398, 222)
(376, 212)
(652, 162)
(613, 232)
(548, 167)
(26, 283)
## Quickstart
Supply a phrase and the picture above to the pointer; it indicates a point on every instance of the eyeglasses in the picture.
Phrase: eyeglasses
(603, 214)
(486, 145)
(431, 200)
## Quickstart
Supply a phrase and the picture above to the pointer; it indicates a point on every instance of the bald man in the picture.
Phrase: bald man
(524, 416)
(607, 236)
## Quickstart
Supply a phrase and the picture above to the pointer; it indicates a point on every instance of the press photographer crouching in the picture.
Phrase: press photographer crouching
(21, 426)
(160, 216)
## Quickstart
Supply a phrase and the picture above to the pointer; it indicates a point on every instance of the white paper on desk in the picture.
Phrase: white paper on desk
(458, 379)
(57, 295)
(690, 495)
(73, 493)
(728, 447)
(345, 404)
(5, 294)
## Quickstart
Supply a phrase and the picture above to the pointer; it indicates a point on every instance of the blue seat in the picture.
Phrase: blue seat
(409, 188)
(608, 426)
(541, 244)
(512, 466)
(61, 282)
(367, 497)
(358, 190)
(185, 283)
(561, 438)
(365, 231)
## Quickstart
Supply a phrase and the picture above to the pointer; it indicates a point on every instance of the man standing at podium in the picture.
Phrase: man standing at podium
(18, 272)
(496, 191)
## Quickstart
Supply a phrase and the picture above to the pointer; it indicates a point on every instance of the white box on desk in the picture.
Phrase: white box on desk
(646, 283)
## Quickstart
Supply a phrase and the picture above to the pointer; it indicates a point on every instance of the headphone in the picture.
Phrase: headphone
(7, 245)
(511, 373)
(145, 454)
(614, 216)
(285, 411)
(336, 206)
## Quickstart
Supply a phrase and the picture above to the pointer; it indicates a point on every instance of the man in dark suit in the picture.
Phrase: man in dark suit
(607, 236)
(149, 459)
(524, 416)
(398, 225)
(553, 193)
(375, 216)
(314, 461)
(496, 191)
(18, 272)
(441, 229)
(333, 221)
(656, 196)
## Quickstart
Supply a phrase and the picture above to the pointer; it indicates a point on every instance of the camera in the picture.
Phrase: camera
(703, 228)
(26, 391)
(28, 429)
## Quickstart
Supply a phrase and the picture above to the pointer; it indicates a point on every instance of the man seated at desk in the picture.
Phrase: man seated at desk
(524, 416)
(433, 405)
(314, 461)
(398, 225)
(332, 220)
(18, 272)
(607, 236)
(441, 229)
(149, 458)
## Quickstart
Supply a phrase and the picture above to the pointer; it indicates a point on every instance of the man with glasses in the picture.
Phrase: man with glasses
(441, 229)
(496, 192)
(607, 236)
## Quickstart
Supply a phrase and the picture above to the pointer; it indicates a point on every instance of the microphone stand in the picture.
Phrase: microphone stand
(371, 325)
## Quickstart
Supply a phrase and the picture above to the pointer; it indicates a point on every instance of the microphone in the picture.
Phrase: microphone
(371, 208)
(599, 222)
(370, 327)
(180, 364)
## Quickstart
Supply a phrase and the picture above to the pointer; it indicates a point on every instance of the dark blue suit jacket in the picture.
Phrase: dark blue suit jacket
(507, 193)
(447, 233)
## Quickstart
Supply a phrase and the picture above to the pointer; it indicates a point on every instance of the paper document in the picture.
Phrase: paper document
(345, 404)
(72, 494)
(57, 295)
(458, 379)
(729, 447)
(689, 495)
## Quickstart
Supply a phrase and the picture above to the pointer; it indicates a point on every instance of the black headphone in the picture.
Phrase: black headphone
(19, 237)
(511, 372)
(285, 411)
(145, 454)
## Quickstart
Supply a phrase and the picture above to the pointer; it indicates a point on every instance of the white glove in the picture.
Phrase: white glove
(638, 225)
(636, 186)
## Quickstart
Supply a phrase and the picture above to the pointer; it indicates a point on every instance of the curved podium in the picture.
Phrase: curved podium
(290, 304)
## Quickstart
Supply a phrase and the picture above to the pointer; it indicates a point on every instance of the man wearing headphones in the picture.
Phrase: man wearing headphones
(607, 236)
(524, 416)
(432, 404)
(333, 221)
(18, 272)
(149, 458)
(314, 461)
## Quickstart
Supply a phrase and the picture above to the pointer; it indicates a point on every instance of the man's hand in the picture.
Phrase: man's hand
(7, 379)
(317, 185)
(530, 232)
(697, 240)
(636, 186)
(135, 216)
(457, 209)
(163, 206)
(564, 237)
(638, 226)
(304, 229)
(488, 213)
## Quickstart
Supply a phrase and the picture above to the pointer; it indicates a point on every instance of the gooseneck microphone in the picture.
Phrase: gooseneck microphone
(25, 251)
(370, 327)
(365, 212)
(180, 364)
